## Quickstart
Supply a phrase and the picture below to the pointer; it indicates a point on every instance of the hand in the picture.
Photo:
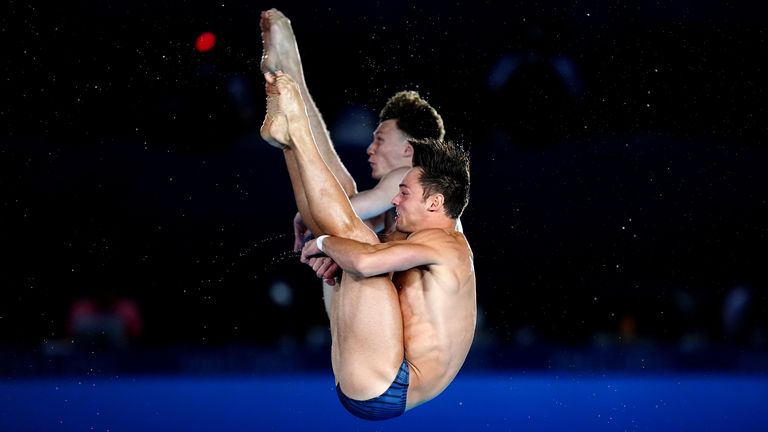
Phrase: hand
(300, 233)
(324, 268)
(309, 251)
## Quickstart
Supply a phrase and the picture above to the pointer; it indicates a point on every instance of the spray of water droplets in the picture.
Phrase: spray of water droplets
(279, 251)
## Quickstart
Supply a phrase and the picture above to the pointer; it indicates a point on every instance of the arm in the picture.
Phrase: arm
(423, 248)
(372, 203)
(369, 205)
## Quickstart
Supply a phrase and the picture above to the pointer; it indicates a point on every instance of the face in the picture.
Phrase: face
(388, 149)
(410, 205)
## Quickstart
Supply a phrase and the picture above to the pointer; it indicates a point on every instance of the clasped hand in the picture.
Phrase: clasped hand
(323, 266)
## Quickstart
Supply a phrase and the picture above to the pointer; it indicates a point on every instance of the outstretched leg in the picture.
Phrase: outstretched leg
(281, 53)
(327, 203)
(366, 322)
(274, 130)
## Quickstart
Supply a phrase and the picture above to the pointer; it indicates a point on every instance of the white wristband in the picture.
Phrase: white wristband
(319, 242)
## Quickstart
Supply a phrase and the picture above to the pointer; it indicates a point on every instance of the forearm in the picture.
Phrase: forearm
(352, 256)
(365, 259)
(370, 204)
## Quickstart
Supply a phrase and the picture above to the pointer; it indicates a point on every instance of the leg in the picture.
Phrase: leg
(282, 53)
(366, 322)
(274, 130)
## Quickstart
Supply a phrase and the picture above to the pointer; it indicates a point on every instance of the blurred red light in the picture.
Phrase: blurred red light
(205, 42)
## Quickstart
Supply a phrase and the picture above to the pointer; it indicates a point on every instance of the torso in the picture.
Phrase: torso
(439, 312)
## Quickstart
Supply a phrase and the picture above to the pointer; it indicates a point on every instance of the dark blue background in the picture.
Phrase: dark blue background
(615, 213)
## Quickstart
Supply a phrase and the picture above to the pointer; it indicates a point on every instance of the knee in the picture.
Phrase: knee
(357, 230)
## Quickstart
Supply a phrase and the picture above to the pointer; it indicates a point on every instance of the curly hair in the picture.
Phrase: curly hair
(445, 170)
(414, 116)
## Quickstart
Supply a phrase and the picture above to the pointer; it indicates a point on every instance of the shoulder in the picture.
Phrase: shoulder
(434, 236)
(448, 250)
(398, 172)
(445, 242)
(396, 175)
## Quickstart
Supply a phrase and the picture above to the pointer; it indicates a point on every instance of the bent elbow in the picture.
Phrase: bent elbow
(365, 265)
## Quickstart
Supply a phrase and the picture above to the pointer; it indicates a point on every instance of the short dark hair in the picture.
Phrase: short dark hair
(414, 115)
(445, 170)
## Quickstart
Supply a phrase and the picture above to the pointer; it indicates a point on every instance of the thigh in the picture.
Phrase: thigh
(367, 330)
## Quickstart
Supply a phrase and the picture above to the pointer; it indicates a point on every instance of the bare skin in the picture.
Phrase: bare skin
(435, 279)
(281, 53)
(366, 323)
(430, 317)
(274, 130)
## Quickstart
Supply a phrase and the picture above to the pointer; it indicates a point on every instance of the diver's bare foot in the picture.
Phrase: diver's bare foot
(274, 130)
(284, 105)
(280, 49)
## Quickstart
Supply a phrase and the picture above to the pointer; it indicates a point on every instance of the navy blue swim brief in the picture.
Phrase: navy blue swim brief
(390, 404)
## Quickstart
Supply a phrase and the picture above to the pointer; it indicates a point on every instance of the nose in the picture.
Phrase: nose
(369, 150)
(396, 200)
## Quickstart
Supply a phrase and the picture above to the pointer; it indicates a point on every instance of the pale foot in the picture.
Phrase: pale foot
(280, 49)
(283, 104)
(274, 130)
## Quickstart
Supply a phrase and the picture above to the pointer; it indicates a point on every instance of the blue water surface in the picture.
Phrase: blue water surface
(487, 402)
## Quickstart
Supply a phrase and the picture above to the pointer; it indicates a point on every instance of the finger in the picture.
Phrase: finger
(301, 239)
(322, 271)
(297, 242)
(308, 249)
(304, 259)
(318, 266)
(331, 270)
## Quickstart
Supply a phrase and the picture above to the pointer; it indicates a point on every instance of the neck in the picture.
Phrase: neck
(443, 222)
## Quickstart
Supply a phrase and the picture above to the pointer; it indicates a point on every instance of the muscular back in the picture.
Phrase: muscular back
(439, 312)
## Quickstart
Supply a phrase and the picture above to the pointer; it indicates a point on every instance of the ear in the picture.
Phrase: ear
(435, 202)
(408, 149)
